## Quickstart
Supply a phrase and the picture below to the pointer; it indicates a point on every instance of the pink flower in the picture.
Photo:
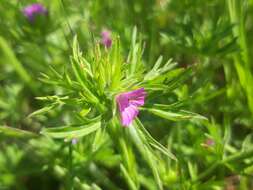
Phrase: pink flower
(32, 10)
(128, 103)
(208, 143)
(106, 38)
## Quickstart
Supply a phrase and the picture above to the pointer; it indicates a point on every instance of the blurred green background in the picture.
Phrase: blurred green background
(216, 36)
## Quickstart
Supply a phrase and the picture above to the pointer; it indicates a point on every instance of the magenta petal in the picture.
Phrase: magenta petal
(122, 101)
(128, 104)
(31, 10)
(137, 101)
(136, 93)
(105, 34)
(106, 38)
(107, 42)
(128, 115)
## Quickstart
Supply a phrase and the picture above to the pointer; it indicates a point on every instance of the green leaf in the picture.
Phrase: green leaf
(143, 147)
(17, 133)
(126, 175)
(169, 80)
(152, 163)
(155, 144)
(174, 105)
(177, 115)
(42, 110)
(192, 170)
(82, 62)
(134, 57)
(157, 71)
(116, 65)
(84, 111)
(10, 57)
(79, 73)
(71, 131)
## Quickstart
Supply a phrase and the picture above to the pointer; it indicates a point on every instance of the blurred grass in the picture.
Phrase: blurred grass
(214, 36)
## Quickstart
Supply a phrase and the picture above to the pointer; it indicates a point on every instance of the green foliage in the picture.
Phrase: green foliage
(59, 120)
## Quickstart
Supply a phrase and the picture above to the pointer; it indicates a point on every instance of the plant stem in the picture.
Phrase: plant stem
(237, 15)
(70, 167)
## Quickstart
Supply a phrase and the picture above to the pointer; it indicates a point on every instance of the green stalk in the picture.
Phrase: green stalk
(242, 60)
(129, 163)
(9, 57)
(237, 16)
(70, 167)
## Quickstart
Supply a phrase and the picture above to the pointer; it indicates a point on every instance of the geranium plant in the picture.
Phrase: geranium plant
(106, 92)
